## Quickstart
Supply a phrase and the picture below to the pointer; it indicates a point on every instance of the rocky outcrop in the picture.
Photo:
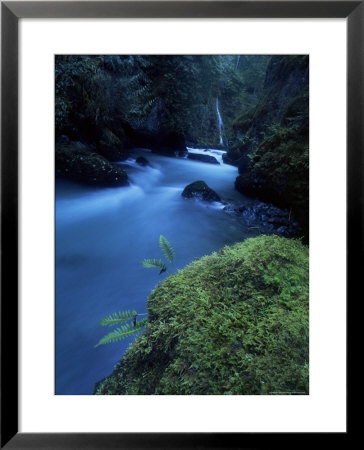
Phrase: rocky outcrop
(201, 191)
(201, 157)
(234, 322)
(158, 133)
(169, 143)
(142, 161)
(284, 102)
(279, 173)
(76, 162)
(270, 219)
(272, 145)
(111, 146)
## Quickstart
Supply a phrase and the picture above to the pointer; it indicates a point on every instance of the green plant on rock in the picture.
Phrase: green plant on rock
(125, 330)
(233, 322)
(168, 253)
(129, 318)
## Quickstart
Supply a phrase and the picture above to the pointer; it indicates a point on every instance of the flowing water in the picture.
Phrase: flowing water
(102, 235)
(221, 124)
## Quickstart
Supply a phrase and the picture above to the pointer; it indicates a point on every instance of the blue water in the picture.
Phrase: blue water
(102, 234)
(221, 124)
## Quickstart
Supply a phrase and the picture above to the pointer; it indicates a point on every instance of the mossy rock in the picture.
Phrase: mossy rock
(111, 147)
(201, 191)
(279, 171)
(233, 322)
(75, 162)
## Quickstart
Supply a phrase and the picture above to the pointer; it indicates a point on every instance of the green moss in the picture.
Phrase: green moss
(234, 322)
(279, 171)
(76, 162)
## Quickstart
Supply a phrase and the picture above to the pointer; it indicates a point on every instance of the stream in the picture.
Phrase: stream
(103, 234)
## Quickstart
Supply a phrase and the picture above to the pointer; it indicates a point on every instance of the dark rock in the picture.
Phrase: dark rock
(63, 139)
(269, 219)
(229, 209)
(243, 185)
(77, 163)
(231, 159)
(201, 191)
(111, 147)
(181, 153)
(244, 164)
(201, 157)
(169, 143)
(142, 161)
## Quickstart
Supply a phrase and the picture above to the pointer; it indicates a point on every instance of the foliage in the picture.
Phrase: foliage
(107, 91)
(271, 145)
(234, 322)
(80, 163)
(122, 332)
(154, 264)
(124, 316)
(168, 253)
(118, 317)
(279, 171)
(166, 248)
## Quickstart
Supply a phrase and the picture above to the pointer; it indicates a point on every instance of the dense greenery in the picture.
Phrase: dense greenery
(273, 138)
(278, 171)
(79, 162)
(100, 97)
(234, 322)
(111, 103)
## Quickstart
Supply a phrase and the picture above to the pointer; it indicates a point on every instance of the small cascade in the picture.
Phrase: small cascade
(208, 151)
(221, 124)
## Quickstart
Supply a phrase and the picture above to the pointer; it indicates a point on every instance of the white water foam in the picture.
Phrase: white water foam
(208, 151)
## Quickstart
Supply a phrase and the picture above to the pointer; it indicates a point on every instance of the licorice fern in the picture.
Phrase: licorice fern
(166, 248)
(117, 317)
(154, 263)
(124, 316)
(122, 332)
(168, 253)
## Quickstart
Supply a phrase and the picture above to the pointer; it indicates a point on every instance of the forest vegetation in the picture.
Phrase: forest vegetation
(234, 321)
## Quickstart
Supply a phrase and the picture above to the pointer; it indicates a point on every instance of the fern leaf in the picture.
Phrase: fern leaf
(154, 263)
(122, 332)
(119, 317)
(166, 248)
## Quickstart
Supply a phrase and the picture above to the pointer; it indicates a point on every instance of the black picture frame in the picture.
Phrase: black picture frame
(11, 12)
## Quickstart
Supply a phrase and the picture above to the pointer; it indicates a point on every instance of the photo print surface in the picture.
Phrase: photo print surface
(181, 217)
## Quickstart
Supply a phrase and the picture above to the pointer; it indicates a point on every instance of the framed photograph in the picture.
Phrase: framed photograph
(181, 221)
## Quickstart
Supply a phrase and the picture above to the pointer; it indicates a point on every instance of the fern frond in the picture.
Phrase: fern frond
(166, 248)
(154, 263)
(118, 317)
(122, 332)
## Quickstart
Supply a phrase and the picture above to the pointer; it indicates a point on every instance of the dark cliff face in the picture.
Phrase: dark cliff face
(284, 101)
(271, 147)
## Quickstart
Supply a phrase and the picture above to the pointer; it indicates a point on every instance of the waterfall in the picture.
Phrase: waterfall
(221, 124)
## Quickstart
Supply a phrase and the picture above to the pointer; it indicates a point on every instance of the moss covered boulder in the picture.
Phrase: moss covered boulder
(234, 322)
(75, 162)
(201, 191)
(279, 172)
